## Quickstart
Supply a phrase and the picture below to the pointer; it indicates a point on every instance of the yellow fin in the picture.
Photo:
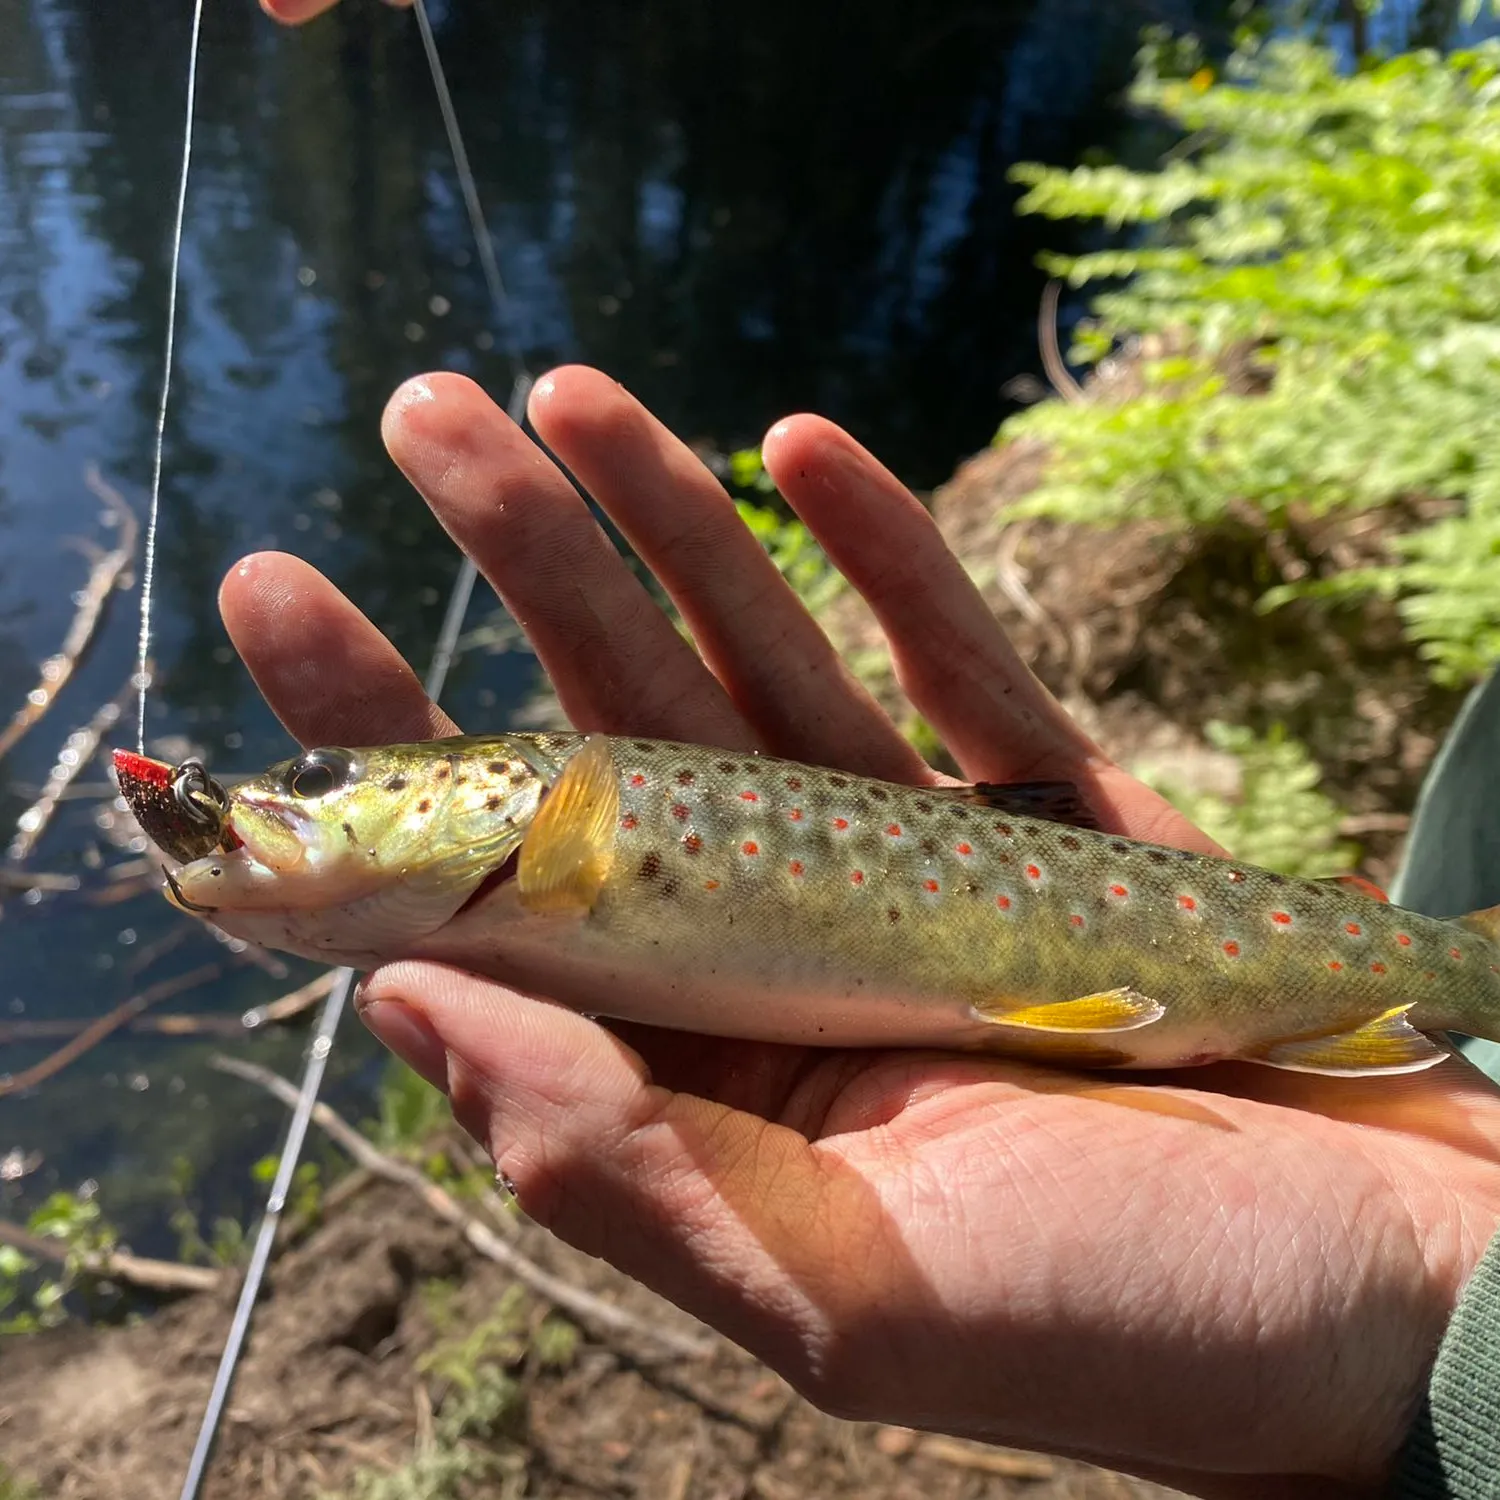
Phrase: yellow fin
(1387, 1044)
(570, 846)
(1123, 1009)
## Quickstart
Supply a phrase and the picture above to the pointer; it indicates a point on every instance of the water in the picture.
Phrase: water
(739, 215)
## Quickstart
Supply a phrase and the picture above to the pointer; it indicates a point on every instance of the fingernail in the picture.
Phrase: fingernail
(406, 1032)
(413, 393)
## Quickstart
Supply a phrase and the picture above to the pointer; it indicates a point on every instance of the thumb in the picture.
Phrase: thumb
(741, 1222)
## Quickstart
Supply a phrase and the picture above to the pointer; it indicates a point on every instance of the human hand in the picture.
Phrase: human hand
(1227, 1281)
(295, 12)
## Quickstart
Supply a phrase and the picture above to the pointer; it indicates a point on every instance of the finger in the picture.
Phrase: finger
(295, 12)
(613, 657)
(773, 658)
(330, 676)
(724, 1213)
(950, 654)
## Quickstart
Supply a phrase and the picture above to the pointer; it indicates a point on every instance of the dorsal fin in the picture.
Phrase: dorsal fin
(1056, 801)
(1361, 883)
(1485, 922)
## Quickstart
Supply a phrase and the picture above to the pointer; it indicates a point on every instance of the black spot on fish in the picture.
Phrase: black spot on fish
(685, 777)
(843, 781)
(893, 914)
(650, 866)
(794, 783)
(395, 784)
(425, 805)
(497, 767)
(1237, 877)
(727, 767)
(692, 842)
(877, 794)
(1069, 842)
(1120, 847)
(929, 846)
(1157, 856)
(350, 834)
(955, 811)
(971, 887)
(443, 772)
(669, 889)
(644, 746)
(923, 806)
(1030, 830)
(1276, 879)
(1003, 829)
(492, 802)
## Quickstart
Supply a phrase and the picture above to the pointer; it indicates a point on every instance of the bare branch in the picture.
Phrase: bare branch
(103, 578)
(604, 1317)
(1052, 361)
(116, 1265)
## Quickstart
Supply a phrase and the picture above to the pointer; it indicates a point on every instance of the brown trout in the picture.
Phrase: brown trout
(744, 896)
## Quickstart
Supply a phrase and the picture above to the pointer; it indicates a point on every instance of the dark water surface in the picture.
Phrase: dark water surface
(737, 212)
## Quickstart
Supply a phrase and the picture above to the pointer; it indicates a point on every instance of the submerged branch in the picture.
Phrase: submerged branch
(78, 751)
(103, 578)
(591, 1311)
(96, 1031)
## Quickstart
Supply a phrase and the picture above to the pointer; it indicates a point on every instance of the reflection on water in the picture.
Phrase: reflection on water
(738, 215)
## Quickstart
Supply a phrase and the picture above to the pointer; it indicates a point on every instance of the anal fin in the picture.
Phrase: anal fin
(1388, 1043)
(568, 850)
(1122, 1009)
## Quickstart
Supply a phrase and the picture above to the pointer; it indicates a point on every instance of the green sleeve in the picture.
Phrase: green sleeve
(1453, 1450)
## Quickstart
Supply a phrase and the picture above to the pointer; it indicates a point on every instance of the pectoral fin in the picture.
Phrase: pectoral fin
(570, 846)
(1387, 1044)
(1123, 1009)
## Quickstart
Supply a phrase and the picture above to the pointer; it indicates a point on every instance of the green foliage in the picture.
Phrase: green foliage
(790, 545)
(31, 1298)
(304, 1199)
(13, 1487)
(1333, 240)
(412, 1112)
(1280, 819)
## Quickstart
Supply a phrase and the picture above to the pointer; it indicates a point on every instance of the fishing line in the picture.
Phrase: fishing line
(148, 564)
(436, 678)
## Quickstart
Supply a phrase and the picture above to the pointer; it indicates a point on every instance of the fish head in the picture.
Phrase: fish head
(351, 854)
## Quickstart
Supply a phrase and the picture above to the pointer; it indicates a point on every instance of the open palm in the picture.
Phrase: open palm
(1212, 1284)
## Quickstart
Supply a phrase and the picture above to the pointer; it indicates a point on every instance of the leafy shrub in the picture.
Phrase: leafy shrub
(1312, 288)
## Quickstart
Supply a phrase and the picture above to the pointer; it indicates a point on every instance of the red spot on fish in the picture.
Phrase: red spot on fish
(1403, 939)
(893, 829)
(749, 796)
(637, 779)
(795, 815)
(1232, 949)
(629, 821)
(680, 812)
(1429, 975)
(856, 877)
(1075, 920)
(965, 849)
(1377, 968)
(1455, 955)
(1187, 903)
(1282, 918)
(1120, 892)
(692, 842)
(795, 867)
(1236, 876)
(710, 885)
(1353, 929)
(1335, 965)
(1003, 902)
(1033, 872)
(930, 885)
(750, 847)
(841, 824)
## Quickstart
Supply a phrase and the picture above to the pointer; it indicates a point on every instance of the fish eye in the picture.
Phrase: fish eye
(319, 772)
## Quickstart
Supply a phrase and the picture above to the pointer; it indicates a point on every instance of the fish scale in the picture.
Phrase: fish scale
(743, 895)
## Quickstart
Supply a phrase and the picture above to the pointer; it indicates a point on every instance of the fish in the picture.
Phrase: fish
(741, 895)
